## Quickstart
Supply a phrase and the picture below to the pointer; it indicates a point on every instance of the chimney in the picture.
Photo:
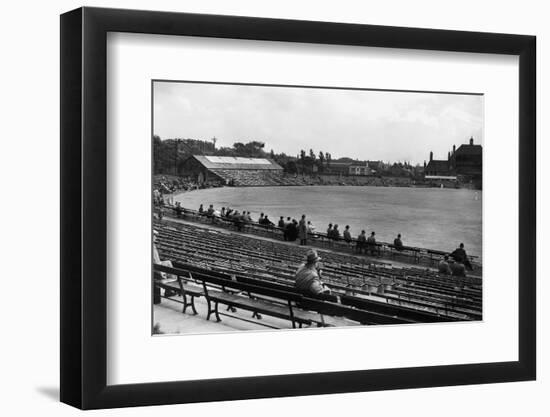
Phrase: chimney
(448, 156)
(472, 140)
(454, 149)
(431, 155)
(424, 164)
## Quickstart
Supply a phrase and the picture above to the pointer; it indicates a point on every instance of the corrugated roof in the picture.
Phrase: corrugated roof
(232, 162)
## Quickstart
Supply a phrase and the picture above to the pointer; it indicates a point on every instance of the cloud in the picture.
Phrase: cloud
(356, 123)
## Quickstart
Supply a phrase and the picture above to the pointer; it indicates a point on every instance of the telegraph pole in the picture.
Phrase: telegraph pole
(176, 143)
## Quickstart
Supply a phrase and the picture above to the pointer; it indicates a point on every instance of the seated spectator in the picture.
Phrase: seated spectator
(457, 269)
(281, 223)
(223, 212)
(398, 243)
(362, 242)
(160, 213)
(310, 227)
(459, 255)
(161, 276)
(236, 219)
(201, 209)
(179, 209)
(210, 211)
(264, 220)
(444, 267)
(268, 222)
(308, 276)
(347, 235)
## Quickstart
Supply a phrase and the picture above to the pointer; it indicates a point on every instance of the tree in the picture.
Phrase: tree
(291, 167)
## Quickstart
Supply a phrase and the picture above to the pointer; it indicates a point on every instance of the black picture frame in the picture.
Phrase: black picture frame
(84, 207)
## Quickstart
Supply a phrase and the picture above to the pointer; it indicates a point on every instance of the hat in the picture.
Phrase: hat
(312, 256)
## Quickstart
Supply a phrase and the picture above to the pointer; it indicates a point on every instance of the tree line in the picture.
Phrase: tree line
(169, 154)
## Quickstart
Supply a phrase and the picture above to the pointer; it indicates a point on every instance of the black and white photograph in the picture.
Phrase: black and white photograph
(302, 207)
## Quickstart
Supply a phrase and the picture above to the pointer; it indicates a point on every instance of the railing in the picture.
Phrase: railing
(317, 239)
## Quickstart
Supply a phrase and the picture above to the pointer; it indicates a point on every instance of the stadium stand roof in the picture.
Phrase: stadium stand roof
(232, 162)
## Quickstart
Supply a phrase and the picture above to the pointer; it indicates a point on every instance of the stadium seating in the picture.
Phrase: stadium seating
(418, 293)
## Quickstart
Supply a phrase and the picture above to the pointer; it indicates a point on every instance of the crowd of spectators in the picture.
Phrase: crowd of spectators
(303, 230)
(169, 184)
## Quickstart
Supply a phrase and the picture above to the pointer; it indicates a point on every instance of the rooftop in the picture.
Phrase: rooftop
(233, 162)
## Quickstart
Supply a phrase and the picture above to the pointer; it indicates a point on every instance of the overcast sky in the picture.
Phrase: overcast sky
(373, 125)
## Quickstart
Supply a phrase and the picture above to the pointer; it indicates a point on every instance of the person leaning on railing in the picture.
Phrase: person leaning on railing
(362, 242)
(371, 244)
(459, 255)
(347, 235)
(398, 243)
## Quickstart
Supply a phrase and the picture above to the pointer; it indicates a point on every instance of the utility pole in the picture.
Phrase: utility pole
(176, 143)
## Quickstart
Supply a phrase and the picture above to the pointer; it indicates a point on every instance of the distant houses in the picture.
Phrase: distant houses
(464, 164)
(356, 168)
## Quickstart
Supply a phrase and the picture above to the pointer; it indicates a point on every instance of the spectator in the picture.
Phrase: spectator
(444, 267)
(457, 269)
(460, 256)
(329, 234)
(347, 235)
(160, 213)
(308, 276)
(281, 223)
(329, 230)
(302, 230)
(362, 242)
(261, 219)
(161, 276)
(292, 230)
(201, 209)
(398, 243)
(210, 211)
(335, 232)
(223, 212)
(310, 227)
(371, 244)
(179, 209)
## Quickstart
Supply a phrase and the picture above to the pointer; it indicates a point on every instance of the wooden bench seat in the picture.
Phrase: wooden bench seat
(180, 287)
